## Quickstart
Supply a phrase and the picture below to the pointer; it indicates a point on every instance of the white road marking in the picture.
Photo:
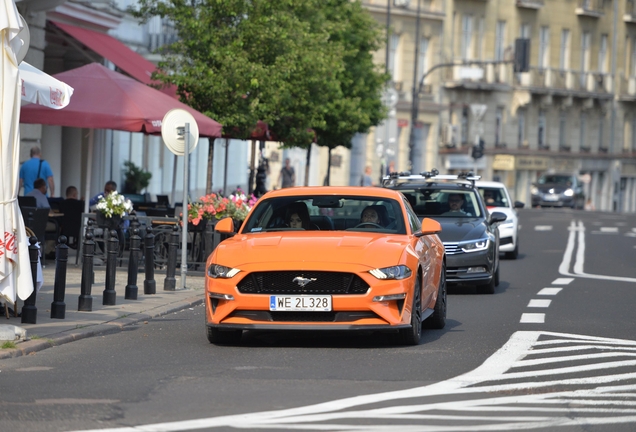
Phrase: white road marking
(549, 291)
(577, 232)
(556, 393)
(562, 281)
(539, 303)
(609, 229)
(532, 318)
(543, 228)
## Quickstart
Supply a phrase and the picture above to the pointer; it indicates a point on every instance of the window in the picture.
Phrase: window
(602, 54)
(544, 47)
(498, 126)
(521, 130)
(541, 130)
(525, 31)
(393, 53)
(464, 126)
(633, 140)
(500, 40)
(586, 39)
(480, 36)
(467, 37)
(562, 130)
(564, 62)
(423, 57)
(582, 129)
(633, 57)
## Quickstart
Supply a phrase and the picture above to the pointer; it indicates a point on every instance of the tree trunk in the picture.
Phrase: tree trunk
(307, 166)
(208, 186)
(250, 186)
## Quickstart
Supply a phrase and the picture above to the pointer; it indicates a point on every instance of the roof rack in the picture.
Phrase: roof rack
(405, 176)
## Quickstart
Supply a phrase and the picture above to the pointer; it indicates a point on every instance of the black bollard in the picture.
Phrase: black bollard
(170, 282)
(90, 230)
(150, 286)
(112, 249)
(29, 310)
(85, 303)
(133, 265)
(58, 307)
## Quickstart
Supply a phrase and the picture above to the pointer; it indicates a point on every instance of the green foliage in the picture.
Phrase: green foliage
(136, 178)
(304, 67)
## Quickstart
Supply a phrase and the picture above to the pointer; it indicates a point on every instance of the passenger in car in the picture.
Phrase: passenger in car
(297, 216)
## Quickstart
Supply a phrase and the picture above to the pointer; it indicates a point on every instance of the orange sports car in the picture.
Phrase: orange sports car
(327, 258)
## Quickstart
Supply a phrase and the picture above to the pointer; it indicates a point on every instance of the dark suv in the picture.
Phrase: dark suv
(469, 231)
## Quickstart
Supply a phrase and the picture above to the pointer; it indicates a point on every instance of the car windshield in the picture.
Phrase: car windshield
(440, 202)
(565, 180)
(326, 213)
(494, 197)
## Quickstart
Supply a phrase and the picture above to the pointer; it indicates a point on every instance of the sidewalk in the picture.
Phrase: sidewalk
(103, 319)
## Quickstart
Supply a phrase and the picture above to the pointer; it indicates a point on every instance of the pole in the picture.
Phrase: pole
(613, 114)
(184, 237)
(388, 36)
(416, 96)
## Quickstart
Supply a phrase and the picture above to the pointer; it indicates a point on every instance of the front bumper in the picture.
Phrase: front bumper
(464, 268)
(507, 238)
(552, 200)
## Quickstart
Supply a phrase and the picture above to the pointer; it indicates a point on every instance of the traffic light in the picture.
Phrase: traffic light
(478, 149)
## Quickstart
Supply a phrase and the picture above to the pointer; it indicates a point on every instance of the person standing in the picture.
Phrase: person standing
(366, 177)
(287, 176)
(36, 168)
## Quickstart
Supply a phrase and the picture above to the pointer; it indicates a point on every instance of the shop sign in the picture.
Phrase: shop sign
(531, 163)
(565, 165)
(503, 162)
(464, 162)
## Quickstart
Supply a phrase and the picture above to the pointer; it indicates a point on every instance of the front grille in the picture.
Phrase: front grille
(452, 248)
(332, 316)
(303, 316)
(282, 282)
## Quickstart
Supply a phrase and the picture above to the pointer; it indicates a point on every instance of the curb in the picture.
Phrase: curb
(117, 325)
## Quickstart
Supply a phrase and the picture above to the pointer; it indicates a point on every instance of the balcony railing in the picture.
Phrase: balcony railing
(627, 87)
(484, 75)
(557, 79)
(590, 8)
(530, 4)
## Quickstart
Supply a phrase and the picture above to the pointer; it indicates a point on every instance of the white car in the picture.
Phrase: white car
(497, 199)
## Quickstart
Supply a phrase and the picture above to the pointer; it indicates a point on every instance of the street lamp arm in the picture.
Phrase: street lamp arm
(464, 63)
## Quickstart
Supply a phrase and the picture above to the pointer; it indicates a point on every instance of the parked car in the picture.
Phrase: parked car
(469, 230)
(558, 190)
(497, 199)
(327, 258)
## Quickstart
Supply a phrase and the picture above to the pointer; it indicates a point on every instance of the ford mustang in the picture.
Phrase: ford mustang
(327, 258)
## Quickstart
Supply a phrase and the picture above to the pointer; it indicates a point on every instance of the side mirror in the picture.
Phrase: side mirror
(519, 204)
(225, 226)
(429, 226)
(497, 217)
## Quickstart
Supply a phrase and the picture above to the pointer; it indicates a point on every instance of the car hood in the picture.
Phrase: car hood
(461, 229)
(367, 249)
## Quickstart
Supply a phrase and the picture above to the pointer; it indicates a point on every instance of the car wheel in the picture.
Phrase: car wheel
(224, 337)
(438, 319)
(412, 335)
(514, 253)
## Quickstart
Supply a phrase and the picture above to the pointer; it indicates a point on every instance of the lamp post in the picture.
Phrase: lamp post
(416, 91)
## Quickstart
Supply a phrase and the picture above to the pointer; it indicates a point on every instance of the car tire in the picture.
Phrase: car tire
(438, 319)
(224, 337)
(514, 253)
(496, 276)
(413, 334)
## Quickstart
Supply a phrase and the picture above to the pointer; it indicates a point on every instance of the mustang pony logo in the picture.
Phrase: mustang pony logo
(303, 281)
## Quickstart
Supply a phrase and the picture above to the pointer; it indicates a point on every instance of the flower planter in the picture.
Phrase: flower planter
(111, 223)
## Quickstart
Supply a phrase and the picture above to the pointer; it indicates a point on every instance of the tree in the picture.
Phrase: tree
(240, 61)
(359, 105)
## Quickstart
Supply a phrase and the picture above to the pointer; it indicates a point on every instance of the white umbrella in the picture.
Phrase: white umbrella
(43, 89)
(15, 271)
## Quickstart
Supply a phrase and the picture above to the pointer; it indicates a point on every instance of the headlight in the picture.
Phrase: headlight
(475, 246)
(219, 271)
(534, 190)
(395, 272)
(568, 192)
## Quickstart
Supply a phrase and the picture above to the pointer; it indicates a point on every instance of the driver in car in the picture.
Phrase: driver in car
(455, 203)
(369, 215)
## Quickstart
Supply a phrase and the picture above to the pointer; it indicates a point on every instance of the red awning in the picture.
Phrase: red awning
(108, 47)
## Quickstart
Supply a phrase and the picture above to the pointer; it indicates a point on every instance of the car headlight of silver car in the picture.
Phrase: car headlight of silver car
(475, 246)
(223, 272)
(534, 190)
(568, 192)
(393, 272)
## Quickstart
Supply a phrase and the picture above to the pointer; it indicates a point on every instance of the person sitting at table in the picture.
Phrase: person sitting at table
(39, 193)
(109, 187)
(72, 193)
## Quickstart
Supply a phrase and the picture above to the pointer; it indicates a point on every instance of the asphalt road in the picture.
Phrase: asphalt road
(553, 349)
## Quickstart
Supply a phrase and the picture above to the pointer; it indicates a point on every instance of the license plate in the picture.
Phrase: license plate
(551, 198)
(315, 303)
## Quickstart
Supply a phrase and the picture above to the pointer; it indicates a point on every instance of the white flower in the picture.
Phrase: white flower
(114, 204)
